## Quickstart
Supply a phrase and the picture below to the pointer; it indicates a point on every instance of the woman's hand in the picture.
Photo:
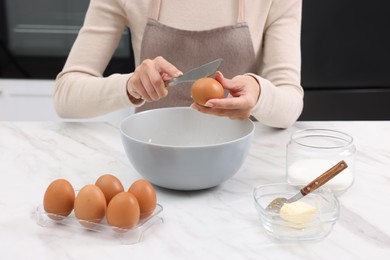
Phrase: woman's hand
(244, 92)
(148, 79)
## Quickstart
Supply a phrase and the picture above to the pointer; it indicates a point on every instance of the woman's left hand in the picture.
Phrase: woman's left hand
(244, 92)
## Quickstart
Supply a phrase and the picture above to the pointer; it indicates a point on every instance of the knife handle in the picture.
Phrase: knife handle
(324, 178)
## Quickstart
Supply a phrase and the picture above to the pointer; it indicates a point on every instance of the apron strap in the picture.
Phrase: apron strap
(154, 10)
(241, 11)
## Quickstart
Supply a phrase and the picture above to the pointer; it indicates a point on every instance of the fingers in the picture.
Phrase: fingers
(220, 78)
(148, 79)
(232, 111)
(164, 67)
(226, 83)
(238, 104)
(151, 84)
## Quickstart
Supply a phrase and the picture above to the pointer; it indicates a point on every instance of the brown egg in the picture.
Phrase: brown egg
(123, 211)
(146, 196)
(59, 198)
(206, 88)
(90, 205)
(110, 185)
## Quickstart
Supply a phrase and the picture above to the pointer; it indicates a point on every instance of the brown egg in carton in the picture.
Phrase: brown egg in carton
(104, 207)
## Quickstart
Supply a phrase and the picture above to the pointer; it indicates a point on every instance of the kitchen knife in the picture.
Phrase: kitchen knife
(203, 71)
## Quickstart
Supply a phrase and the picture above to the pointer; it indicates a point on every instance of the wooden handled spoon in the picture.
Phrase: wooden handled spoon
(277, 203)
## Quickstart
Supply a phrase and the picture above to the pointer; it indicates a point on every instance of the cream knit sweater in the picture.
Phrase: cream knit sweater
(81, 91)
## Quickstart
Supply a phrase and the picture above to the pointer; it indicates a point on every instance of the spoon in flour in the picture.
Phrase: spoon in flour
(277, 203)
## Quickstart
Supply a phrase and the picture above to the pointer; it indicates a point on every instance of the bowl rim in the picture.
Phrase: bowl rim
(249, 134)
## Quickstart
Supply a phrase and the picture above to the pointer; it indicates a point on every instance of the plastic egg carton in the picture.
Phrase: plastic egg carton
(125, 236)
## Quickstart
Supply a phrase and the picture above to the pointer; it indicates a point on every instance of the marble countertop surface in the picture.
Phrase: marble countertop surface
(219, 223)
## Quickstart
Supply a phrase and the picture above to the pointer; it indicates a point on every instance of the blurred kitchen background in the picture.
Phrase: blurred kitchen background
(345, 57)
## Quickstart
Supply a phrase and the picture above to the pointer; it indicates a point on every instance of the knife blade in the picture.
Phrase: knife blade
(203, 71)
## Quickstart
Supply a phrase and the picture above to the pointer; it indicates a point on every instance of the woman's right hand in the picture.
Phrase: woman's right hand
(148, 79)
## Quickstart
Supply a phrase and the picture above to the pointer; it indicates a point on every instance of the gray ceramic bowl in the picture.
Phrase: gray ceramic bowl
(180, 148)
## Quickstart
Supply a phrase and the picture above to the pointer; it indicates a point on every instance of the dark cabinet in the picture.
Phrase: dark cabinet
(346, 59)
(36, 37)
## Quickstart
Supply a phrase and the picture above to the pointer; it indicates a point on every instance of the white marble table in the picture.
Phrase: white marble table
(220, 223)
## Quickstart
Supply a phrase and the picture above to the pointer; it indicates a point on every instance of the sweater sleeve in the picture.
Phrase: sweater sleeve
(281, 98)
(81, 90)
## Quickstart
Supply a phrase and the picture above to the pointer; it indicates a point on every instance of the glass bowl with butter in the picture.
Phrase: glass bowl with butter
(310, 218)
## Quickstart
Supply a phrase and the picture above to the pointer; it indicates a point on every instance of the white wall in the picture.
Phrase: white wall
(31, 100)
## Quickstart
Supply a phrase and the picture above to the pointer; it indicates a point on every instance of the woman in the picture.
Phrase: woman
(259, 41)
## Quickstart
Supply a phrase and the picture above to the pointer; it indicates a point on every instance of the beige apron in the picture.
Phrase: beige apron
(189, 49)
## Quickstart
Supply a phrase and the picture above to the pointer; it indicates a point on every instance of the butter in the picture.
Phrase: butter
(298, 212)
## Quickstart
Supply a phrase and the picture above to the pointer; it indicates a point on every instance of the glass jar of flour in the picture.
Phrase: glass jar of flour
(311, 152)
